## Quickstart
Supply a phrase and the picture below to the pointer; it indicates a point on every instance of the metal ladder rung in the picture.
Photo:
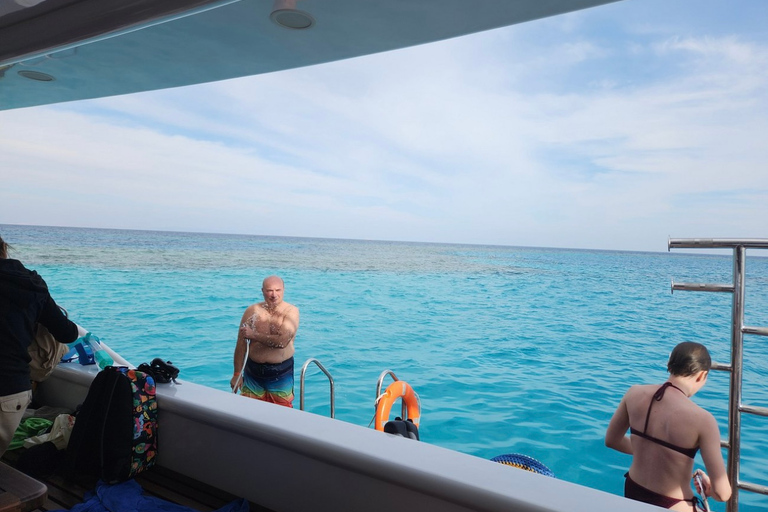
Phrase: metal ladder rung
(760, 489)
(754, 409)
(721, 367)
(702, 287)
(330, 380)
(716, 243)
(760, 331)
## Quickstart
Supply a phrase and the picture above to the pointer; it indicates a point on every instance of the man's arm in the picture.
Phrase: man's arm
(281, 338)
(239, 357)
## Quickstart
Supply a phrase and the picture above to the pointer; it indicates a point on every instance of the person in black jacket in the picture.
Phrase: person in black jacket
(24, 302)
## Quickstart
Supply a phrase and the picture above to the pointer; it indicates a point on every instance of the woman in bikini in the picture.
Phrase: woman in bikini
(666, 431)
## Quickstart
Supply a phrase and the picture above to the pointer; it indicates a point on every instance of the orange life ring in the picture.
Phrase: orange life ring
(398, 389)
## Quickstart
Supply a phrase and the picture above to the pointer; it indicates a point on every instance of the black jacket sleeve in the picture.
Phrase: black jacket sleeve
(52, 317)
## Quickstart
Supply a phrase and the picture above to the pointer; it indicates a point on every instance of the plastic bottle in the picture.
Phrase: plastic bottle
(101, 356)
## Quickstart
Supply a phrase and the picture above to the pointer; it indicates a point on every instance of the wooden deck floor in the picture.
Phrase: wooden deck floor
(64, 491)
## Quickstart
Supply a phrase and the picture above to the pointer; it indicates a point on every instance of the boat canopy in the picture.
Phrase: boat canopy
(62, 50)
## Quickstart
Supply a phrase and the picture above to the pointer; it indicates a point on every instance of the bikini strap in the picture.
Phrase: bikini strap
(697, 504)
(657, 396)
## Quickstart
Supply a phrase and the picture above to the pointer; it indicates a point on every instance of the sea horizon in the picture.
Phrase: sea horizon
(703, 252)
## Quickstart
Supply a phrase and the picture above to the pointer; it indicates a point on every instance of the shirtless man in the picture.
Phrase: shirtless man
(267, 330)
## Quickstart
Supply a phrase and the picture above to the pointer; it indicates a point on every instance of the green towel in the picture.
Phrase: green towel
(28, 428)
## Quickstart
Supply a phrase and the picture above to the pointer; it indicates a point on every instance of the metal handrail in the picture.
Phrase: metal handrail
(330, 380)
(759, 489)
(717, 243)
(760, 331)
(721, 367)
(702, 287)
(752, 409)
(738, 329)
(403, 410)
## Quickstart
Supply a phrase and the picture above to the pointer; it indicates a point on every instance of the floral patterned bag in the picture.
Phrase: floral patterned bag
(115, 432)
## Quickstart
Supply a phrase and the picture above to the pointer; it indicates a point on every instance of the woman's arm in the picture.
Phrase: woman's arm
(709, 442)
(616, 435)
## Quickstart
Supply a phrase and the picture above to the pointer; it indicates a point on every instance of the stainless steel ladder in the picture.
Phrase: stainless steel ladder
(738, 330)
(330, 380)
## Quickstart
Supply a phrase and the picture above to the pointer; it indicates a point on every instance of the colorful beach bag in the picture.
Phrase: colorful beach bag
(115, 432)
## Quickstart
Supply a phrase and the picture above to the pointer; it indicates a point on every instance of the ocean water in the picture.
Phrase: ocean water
(511, 349)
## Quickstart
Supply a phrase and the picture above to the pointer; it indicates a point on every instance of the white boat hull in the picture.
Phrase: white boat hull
(289, 460)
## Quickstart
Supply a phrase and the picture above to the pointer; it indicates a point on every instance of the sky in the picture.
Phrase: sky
(613, 128)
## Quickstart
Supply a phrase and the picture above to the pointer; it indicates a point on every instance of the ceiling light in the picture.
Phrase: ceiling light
(36, 75)
(28, 3)
(292, 18)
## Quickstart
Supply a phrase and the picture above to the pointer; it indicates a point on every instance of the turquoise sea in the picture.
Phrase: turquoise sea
(511, 349)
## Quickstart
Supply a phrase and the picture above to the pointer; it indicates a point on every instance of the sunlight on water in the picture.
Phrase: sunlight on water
(512, 350)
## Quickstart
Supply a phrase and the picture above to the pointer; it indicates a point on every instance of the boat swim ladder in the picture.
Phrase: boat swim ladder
(379, 383)
(738, 330)
(330, 380)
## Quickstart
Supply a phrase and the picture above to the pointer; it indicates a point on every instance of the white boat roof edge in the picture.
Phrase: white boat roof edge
(286, 459)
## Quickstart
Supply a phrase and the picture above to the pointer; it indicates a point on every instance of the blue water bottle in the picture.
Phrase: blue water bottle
(99, 354)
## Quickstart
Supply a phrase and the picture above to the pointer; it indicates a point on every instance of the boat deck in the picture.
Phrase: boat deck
(64, 492)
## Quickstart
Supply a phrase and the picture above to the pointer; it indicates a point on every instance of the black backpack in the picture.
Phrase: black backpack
(115, 431)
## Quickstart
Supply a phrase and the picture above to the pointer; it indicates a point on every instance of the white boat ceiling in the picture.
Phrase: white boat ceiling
(53, 51)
